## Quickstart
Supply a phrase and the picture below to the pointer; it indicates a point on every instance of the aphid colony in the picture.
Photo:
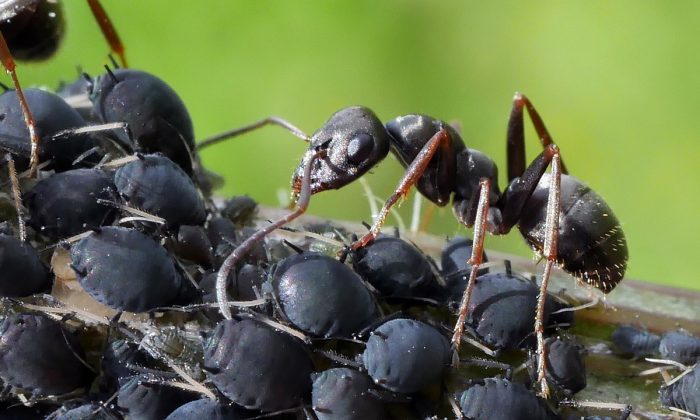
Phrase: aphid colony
(116, 189)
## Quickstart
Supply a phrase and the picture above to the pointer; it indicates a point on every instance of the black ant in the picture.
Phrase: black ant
(563, 220)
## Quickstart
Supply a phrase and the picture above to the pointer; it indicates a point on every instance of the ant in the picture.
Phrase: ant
(33, 29)
(564, 221)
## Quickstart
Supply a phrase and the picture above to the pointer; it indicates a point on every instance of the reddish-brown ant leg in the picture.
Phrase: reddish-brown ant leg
(475, 260)
(516, 136)
(414, 171)
(550, 253)
(17, 196)
(108, 30)
(9, 64)
(238, 253)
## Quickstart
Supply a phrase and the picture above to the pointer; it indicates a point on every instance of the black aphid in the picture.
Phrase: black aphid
(501, 399)
(155, 184)
(39, 355)
(22, 273)
(405, 356)
(67, 203)
(680, 346)
(257, 367)
(566, 368)
(92, 411)
(144, 399)
(321, 296)
(343, 393)
(634, 342)
(684, 393)
(128, 271)
(205, 409)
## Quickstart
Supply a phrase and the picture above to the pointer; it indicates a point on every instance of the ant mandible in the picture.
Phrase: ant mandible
(563, 220)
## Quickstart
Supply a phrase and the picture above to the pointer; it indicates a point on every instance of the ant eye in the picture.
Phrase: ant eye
(360, 148)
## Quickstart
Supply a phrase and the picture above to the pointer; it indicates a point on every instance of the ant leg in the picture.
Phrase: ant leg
(17, 196)
(516, 136)
(238, 253)
(9, 64)
(108, 30)
(550, 253)
(475, 261)
(414, 171)
(254, 126)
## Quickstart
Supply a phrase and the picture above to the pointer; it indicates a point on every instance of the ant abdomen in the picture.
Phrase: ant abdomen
(591, 243)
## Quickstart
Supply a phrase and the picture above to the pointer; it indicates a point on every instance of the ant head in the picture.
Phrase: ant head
(354, 140)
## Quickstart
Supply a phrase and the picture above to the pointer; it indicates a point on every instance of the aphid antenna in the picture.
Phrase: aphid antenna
(586, 305)
(17, 196)
(316, 236)
(330, 355)
(217, 138)
(684, 413)
(111, 74)
(279, 326)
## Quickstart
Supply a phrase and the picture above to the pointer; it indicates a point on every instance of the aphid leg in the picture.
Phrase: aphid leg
(550, 253)
(238, 253)
(251, 127)
(108, 30)
(516, 135)
(475, 261)
(414, 171)
(17, 196)
(9, 64)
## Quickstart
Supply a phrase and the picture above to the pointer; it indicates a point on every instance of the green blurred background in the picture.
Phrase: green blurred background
(616, 82)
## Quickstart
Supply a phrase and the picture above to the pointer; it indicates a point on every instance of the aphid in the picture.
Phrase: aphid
(501, 399)
(157, 185)
(684, 391)
(566, 368)
(321, 296)
(128, 271)
(143, 397)
(39, 355)
(121, 357)
(205, 409)
(237, 353)
(405, 356)
(560, 218)
(397, 268)
(454, 264)
(240, 209)
(157, 118)
(680, 346)
(343, 393)
(89, 410)
(501, 307)
(192, 243)
(634, 342)
(22, 273)
(68, 203)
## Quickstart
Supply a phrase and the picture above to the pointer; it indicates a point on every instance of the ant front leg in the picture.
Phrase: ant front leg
(242, 249)
(9, 64)
(414, 171)
(108, 30)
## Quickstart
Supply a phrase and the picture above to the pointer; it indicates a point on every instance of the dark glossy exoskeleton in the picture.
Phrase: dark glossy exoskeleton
(560, 218)
(119, 360)
(155, 184)
(397, 268)
(91, 411)
(192, 243)
(680, 346)
(566, 368)
(684, 393)
(238, 351)
(321, 296)
(634, 342)
(142, 397)
(405, 356)
(53, 120)
(156, 116)
(22, 273)
(33, 29)
(240, 209)
(501, 399)
(343, 393)
(454, 264)
(39, 355)
(128, 271)
(500, 311)
(205, 409)
(67, 203)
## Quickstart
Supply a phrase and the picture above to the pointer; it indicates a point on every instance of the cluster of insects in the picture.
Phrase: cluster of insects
(110, 231)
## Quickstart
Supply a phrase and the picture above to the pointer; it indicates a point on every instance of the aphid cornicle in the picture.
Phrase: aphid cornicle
(563, 220)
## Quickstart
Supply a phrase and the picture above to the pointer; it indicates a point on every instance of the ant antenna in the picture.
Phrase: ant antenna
(9, 64)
